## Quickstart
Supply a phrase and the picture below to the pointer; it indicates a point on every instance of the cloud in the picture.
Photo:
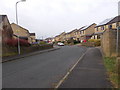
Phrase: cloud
(51, 17)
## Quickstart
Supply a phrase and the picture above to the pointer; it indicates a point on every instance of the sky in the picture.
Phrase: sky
(48, 18)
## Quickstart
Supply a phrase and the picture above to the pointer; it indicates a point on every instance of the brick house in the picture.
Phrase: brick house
(77, 34)
(87, 32)
(71, 35)
(56, 38)
(60, 37)
(110, 23)
(21, 32)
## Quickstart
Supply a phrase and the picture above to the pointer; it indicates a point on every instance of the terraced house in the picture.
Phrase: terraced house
(110, 23)
(72, 34)
(62, 36)
(87, 32)
(77, 34)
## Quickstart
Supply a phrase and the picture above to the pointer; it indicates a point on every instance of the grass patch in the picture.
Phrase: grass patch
(9, 54)
(111, 65)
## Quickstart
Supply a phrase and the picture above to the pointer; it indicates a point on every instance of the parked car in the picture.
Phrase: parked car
(60, 44)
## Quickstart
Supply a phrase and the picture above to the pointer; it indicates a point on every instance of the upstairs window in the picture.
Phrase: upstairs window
(83, 32)
(80, 32)
(97, 29)
(110, 26)
(102, 28)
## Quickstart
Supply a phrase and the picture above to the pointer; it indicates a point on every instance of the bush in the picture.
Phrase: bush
(91, 40)
(97, 42)
(24, 42)
(76, 42)
(63, 42)
(42, 42)
(11, 42)
(14, 42)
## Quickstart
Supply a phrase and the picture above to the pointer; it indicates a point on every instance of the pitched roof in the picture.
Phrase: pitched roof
(72, 31)
(32, 34)
(81, 27)
(20, 27)
(105, 21)
(86, 27)
(116, 19)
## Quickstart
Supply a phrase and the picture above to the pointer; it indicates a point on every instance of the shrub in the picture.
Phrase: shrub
(63, 42)
(91, 40)
(97, 42)
(76, 42)
(42, 42)
(11, 42)
(24, 42)
(14, 42)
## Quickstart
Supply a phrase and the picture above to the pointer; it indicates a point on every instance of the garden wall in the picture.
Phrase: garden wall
(10, 51)
(108, 43)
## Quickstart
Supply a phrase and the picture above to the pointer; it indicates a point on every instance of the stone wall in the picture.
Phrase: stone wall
(5, 33)
(108, 43)
(24, 50)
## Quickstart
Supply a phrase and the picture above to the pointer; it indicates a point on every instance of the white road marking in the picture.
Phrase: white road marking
(62, 80)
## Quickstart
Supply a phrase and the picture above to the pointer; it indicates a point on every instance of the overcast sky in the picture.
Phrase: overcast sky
(51, 17)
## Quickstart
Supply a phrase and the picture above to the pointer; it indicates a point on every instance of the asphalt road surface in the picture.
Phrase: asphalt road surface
(41, 70)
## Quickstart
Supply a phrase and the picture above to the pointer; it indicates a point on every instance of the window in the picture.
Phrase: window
(80, 32)
(98, 36)
(97, 29)
(102, 28)
(110, 26)
(83, 32)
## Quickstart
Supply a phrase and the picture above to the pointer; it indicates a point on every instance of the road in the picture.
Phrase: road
(41, 70)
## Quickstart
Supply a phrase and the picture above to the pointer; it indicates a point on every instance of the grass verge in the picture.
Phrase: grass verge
(111, 65)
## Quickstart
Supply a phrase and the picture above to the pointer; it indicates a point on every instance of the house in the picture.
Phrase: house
(57, 38)
(110, 23)
(60, 37)
(71, 35)
(68, 36)
(87, 31)
(6, 31)
(33, 38)
(77, 34)
(21, 32)
(114, 23)
(50, 40)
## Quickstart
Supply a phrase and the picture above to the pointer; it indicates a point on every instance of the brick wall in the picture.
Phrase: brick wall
(108, 43)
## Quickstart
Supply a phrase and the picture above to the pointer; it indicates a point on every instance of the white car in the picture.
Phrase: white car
(60, 44)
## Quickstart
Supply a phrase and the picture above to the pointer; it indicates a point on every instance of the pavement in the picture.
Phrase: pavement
(88, 73)
(11, 58)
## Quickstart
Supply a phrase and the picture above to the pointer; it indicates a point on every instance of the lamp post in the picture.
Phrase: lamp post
(17, 24)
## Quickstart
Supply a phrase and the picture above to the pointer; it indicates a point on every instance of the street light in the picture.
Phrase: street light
(17, 24)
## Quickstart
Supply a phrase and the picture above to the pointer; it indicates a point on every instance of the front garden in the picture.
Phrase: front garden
(92, 43)
(10, 47)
